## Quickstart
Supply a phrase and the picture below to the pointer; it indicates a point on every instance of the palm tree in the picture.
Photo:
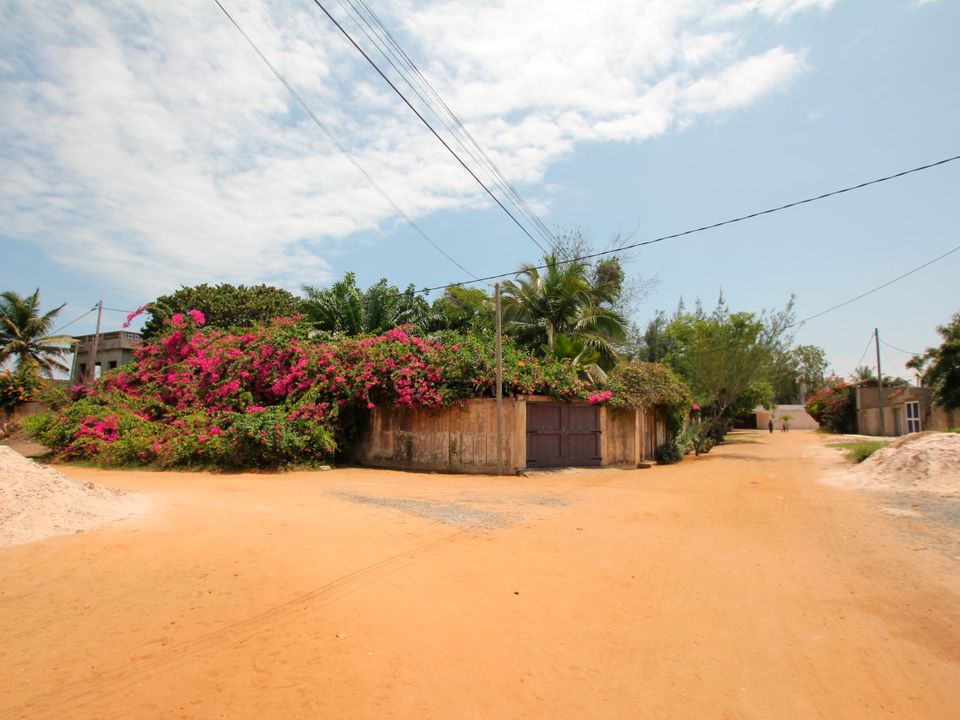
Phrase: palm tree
(562, 300)
(24, 335)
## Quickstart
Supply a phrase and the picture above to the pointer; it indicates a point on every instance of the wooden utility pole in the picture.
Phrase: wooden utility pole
(499, 386)
(883, 422)
(94, 351)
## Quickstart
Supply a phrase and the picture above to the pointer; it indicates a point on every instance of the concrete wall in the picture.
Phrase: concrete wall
(461, 438)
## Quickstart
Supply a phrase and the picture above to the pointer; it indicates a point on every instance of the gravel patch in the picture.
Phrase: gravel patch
(453, 514)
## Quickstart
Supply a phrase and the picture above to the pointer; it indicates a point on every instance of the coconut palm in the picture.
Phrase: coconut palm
(562, 299)
(24, 335)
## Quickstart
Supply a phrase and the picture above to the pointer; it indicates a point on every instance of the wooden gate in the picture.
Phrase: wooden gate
(562, 435)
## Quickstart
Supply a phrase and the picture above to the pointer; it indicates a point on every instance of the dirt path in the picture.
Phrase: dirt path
(734, 586)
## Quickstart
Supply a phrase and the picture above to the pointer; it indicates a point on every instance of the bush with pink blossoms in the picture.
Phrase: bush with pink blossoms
(273, 396)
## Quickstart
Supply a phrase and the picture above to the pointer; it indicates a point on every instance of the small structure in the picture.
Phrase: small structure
(905, 410)
(113, 350)
(539, 432)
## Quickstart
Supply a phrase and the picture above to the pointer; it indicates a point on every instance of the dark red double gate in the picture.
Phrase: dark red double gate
(562, 435)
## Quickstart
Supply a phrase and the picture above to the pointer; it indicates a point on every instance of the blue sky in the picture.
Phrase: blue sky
(145, 146)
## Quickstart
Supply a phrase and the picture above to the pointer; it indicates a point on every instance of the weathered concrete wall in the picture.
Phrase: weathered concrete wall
(461, 438)
(618, 437)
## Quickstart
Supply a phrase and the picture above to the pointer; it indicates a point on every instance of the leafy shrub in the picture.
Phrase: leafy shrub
(273, 395)
(834, 407)
(669, 453)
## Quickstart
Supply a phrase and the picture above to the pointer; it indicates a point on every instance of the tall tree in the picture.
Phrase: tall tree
(940, 367)
(345, 308)
(566, 306)
(25, 335)
(728, 359)
(223, 306)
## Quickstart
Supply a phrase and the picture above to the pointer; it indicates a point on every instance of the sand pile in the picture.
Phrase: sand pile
(38, 502)
(922, 462)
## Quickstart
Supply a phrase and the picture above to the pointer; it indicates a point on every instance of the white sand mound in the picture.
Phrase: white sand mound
(922, 462)
(37, 502)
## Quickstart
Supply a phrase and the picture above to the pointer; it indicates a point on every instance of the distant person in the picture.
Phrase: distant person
(786, 425)
(770, 425)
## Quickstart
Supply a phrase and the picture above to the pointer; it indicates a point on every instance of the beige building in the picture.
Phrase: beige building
(113, 350)
(905, 410)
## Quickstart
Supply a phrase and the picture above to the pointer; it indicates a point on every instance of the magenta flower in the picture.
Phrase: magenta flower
(197, 317)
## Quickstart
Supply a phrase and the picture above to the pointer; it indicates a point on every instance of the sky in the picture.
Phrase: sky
(145, 146)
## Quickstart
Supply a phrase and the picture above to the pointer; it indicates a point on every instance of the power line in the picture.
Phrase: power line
(865, 351)
(879, 287)
(76, 319)
(425, 122)
(894, 347)
(390, 49)
(119, 310)
(632, 246)
(333, 139)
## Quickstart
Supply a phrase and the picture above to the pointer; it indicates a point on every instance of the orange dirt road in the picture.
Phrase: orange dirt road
(731, 586)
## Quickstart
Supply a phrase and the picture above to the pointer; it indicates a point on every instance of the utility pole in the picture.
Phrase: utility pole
(883, 423)
(499, 386)
(96, 344)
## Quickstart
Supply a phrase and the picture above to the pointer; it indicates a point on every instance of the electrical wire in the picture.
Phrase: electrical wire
(333, 139)
(119, 310)
(368, 21)
(632, 246)
(894, 347)
(425, 122)
(878, 287)
(77, 319)
(865, 351)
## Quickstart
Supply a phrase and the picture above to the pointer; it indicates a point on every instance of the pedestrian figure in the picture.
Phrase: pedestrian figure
(770, 425)
(785, 425)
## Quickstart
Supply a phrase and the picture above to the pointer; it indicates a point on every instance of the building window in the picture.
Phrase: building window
(913, 416)
(113, 364)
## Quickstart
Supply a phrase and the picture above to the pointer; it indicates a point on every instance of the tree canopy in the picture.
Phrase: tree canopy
(223, 306)
(940, 367)
(25, 335)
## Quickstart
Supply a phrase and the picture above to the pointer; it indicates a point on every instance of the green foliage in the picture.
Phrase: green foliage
(670, 452)
(834, 407)
(345, 308)
(940, 367)
(570, 299)
(726, 357)
(224, 306)
(859, 451)
(25, 336)
(647, 384)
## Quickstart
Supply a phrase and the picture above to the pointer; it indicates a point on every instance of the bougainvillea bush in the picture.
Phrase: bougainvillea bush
(272, 395)
(834, 407)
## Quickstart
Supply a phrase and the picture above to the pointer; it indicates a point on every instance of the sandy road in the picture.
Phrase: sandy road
(733, 586)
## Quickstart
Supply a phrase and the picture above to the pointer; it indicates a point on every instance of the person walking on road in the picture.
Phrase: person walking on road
(770, 425)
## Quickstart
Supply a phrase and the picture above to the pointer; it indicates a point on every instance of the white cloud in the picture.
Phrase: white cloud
(145, 142)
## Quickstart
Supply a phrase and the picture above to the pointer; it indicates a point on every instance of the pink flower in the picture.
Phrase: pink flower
(134, 314)
(197, 317)
(255, 409)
